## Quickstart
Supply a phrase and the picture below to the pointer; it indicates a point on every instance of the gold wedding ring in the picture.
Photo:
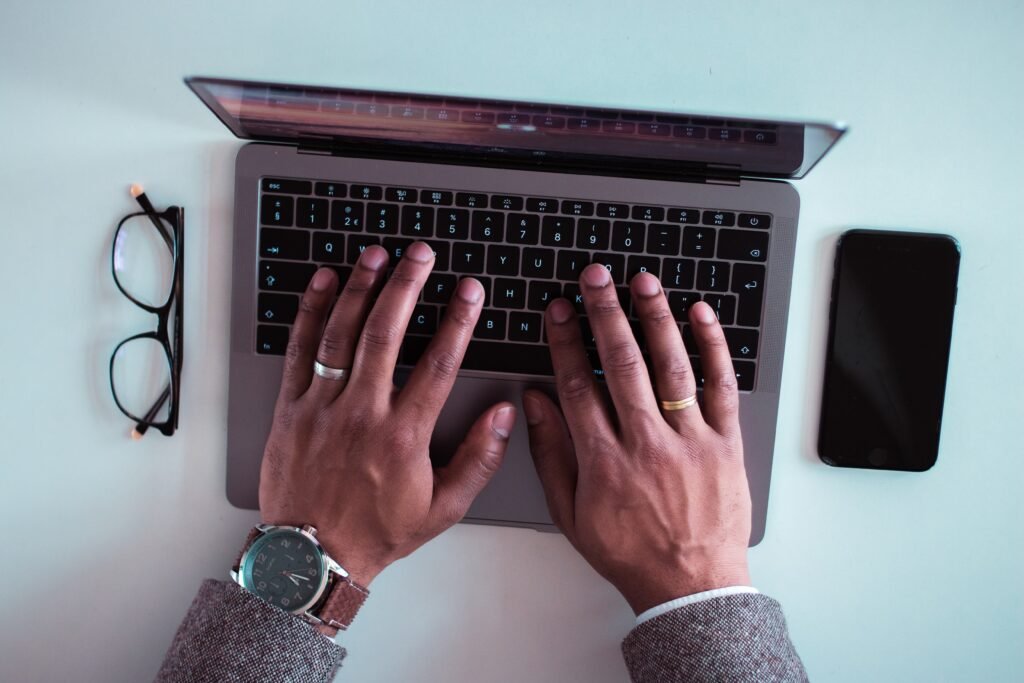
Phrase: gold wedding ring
(679, 405)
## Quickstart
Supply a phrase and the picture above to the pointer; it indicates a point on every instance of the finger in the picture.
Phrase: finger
(721, 399)
(584, 409)
(475, 462)
(554, 458)
(338, 343)
(305, 333)
(431, 380)
(673, 376)
(381, 339)
(624, 368)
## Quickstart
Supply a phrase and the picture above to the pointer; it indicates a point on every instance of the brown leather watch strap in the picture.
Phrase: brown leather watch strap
(343, 602)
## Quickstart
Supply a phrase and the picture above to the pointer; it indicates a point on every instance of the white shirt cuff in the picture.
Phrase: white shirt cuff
(658, 610)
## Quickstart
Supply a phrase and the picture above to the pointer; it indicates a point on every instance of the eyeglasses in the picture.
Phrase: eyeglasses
(147, 263)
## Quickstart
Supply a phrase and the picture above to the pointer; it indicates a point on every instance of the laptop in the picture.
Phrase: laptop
(520, 195)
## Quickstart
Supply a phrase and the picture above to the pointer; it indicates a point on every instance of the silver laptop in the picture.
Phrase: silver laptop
(521, 195)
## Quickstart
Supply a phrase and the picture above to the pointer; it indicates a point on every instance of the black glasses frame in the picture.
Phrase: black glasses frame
(169, 330)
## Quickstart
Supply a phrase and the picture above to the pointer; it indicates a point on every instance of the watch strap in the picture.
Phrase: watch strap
(343, 602)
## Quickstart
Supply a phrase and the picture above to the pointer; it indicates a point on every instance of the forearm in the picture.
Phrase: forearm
(737, 638)
(229, 634)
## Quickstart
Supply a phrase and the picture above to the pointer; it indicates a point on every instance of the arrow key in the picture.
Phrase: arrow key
(742, 343)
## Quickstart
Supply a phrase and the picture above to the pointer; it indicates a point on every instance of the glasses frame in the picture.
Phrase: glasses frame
(170, 329)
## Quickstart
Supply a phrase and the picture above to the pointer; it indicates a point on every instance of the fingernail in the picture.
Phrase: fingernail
(596, 275)
(560, 310)
(470, 290)
(534, 411)
(703, 313)
(420, 253)
(502, 422)
(374, 259)
(646, 285)
(322, 280)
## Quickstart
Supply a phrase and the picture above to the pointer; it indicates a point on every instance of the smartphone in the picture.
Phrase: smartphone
(890, 328)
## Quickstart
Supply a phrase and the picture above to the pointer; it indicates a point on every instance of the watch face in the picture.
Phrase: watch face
(285, 569)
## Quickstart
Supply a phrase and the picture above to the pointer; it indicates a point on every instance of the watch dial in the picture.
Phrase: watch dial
(284, 569)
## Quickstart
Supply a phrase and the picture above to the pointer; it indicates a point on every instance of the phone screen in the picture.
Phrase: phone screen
(885, 375)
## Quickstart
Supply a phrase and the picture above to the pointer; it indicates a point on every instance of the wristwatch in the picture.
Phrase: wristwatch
(287, 567)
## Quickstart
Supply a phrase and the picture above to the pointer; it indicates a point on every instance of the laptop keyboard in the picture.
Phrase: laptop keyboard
(526, 251)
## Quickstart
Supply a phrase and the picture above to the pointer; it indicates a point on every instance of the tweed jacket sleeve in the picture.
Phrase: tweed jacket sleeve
(732, 638)
(231, 636)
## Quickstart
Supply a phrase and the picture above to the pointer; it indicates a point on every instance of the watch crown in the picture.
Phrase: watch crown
(311, 530)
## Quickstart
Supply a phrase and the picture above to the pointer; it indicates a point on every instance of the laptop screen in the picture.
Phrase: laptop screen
(540, 132)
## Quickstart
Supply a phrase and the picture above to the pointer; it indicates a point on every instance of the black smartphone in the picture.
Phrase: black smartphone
(890, 328)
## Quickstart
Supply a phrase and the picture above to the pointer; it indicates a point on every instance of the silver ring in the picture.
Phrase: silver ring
(328, 372)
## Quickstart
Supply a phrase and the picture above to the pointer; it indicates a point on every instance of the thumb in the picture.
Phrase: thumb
(477, 459)
(553, 456)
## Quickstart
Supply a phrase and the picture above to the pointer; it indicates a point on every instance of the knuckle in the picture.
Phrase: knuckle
(604, 307)
(461, 314)
(403, 438)
(380, 333)
(309, 306)
(575, 384)
(293, 353)
(443, 363)
(725, 382)
(677, 372)
(660, 317)
(403, 279)
(331, 344)
(623, 358)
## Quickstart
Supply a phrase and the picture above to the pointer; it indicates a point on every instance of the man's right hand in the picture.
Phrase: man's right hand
(656, 501)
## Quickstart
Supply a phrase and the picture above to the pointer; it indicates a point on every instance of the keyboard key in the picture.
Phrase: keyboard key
(615, 263)
(743, 245)
(538, 263)
(525, 327)
(692, 132)
(488, 226)
(542, 121)
(395, 246)
(485, 282)
(277, 308)
(506, 202)
(436, 197)
(418, 221)
(477, 117)
(335, 190)
(523, 228)
(373, 109)
(578, 208)
(502, 260)
(725, 218)
(648, 213)
(683, 216)
(724, 306)
(617, 127)
(513, 119)
(491, 324)
(584, 123)
(574, 295)
(586, 333)
(287, 186)
(755, 220)
(628, 237)
(509, 293)
(453, 224)
(328, 247)
(605, 210)
(680, 303)
(344, 273)
(366, 192)
(357, 244)
(276, 210)
(557, 231)
(760, 137)
(713, 276)
(439, 288)
(592, 233)
(569, 265)
(748, 284)
(527, 359)
(698, 241)
(291, 244)
(441, 250)
(656, 129)
(642, 264)
(724, 134)
(273, 340)
(382, 219)
(541, 205)
(742, 342)
(663, 238)
(468, 257)
(473, 200)
(744, 370)
(543, 293)
(423, 320)
(282, 276)
(400, 194)
(347, 215)
(311, 213)
(677, 273)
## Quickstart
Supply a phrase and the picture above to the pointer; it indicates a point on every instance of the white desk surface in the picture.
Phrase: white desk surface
(883, 576)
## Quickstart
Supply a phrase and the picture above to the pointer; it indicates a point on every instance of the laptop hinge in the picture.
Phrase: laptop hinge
(719, 174)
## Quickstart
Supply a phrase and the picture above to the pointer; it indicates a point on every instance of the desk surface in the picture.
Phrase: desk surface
(883, 576)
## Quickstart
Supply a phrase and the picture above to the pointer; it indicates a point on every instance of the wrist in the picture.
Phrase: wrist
(653, 588)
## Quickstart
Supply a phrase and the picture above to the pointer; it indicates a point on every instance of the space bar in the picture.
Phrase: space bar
(491, 356)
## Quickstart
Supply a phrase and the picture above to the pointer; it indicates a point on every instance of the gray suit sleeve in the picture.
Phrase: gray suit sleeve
(231, 636)
(731, 638)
